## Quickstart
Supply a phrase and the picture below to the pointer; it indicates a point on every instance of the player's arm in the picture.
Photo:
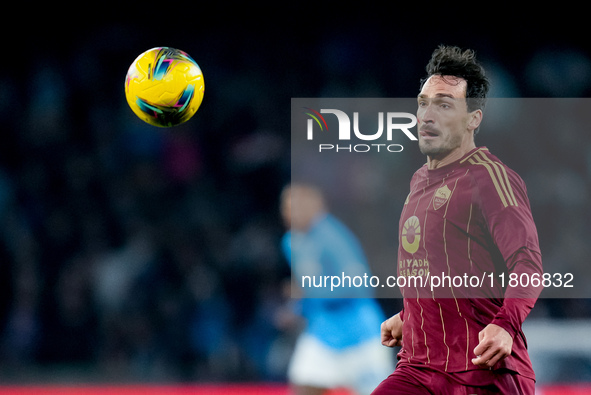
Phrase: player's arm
(391, 331)
(519, 300)
(512, 228)
(515, 235)
(496, 339)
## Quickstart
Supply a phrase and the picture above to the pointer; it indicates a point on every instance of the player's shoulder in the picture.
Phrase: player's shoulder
(479, 156)
(493, 177)
(482, 162)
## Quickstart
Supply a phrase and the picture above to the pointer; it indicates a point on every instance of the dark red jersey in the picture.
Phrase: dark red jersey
(469, 226)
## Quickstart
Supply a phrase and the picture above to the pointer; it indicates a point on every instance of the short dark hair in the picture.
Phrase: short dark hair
(453, 61)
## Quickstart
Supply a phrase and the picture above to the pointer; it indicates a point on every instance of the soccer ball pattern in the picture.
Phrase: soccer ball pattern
(164, 87)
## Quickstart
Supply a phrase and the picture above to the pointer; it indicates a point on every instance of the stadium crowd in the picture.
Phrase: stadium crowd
(134, 253)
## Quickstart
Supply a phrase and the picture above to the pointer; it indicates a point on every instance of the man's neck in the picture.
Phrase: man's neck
(452, 156)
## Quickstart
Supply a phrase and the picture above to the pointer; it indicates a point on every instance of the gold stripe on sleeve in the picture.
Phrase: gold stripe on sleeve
(493, 178)
(503, 178)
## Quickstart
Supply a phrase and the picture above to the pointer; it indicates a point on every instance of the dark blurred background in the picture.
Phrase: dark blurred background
(132, 253)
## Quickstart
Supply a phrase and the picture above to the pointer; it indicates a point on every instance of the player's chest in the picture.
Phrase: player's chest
(434, 204)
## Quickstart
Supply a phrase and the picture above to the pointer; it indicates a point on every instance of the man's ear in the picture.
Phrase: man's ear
(475, 118)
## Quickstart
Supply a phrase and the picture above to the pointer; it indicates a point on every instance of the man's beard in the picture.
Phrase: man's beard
(439, 149)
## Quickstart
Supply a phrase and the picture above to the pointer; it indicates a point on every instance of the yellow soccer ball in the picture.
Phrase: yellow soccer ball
(164, 87)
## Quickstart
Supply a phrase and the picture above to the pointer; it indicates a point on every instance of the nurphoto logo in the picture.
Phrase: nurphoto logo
(390, 122)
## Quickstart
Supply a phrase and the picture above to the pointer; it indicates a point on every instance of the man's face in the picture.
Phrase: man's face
(299, 206)
(442, 115)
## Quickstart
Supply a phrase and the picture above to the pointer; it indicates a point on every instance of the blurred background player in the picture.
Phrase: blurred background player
(339, 347)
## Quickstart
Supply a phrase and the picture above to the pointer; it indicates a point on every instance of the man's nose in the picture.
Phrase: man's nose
(425, 114)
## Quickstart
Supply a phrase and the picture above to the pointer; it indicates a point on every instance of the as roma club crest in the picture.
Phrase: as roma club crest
(441, 196)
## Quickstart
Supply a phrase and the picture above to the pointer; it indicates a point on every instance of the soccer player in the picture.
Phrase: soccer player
(467, 213)
(340, 346)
